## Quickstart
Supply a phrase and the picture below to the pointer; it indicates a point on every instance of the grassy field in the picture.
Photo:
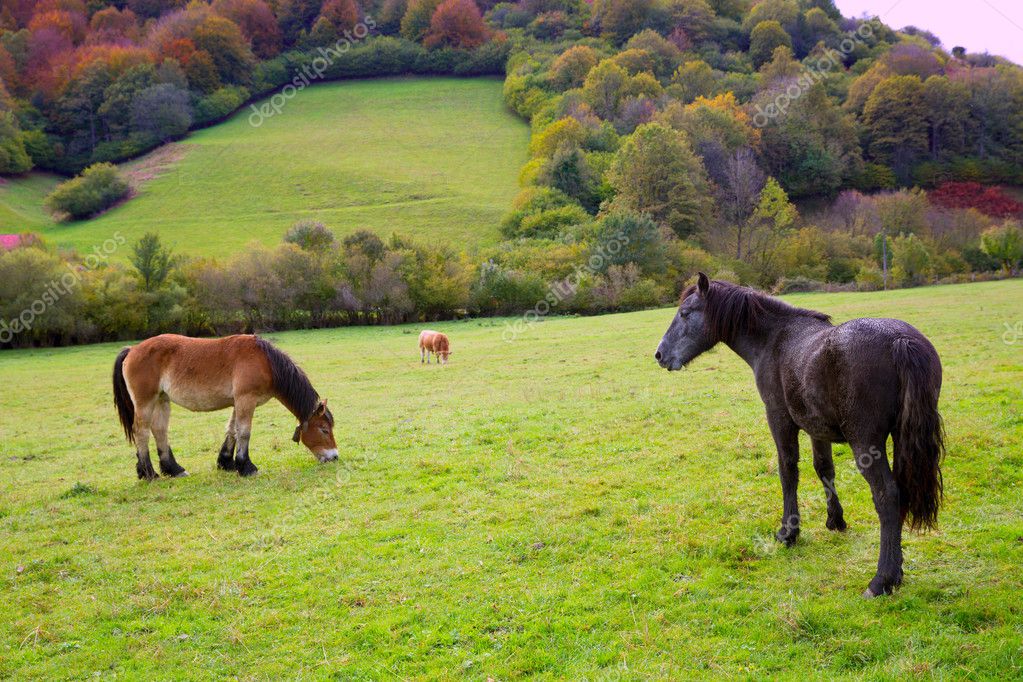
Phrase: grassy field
(433, 158)
(556, 505)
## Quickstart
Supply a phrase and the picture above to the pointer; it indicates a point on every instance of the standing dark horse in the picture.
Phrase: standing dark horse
(212, 374)
(856, 383)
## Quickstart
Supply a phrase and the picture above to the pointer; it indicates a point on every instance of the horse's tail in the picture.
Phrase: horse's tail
(122, 398)
(921, 440)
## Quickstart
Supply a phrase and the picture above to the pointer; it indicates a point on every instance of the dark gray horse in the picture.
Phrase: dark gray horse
(856, 383)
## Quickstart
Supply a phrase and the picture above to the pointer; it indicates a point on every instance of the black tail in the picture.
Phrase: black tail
(122, 399)
(921, 440)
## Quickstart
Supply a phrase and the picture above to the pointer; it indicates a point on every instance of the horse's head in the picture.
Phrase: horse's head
(688, 335)
(317, 433)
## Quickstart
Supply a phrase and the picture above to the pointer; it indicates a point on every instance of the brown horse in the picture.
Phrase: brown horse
(857, 383)
(203, 375)
(436, 343)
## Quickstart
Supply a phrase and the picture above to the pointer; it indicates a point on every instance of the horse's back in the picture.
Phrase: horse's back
(199, 374)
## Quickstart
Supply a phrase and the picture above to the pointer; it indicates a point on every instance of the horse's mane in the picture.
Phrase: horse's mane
(732, 310)
(291, 384)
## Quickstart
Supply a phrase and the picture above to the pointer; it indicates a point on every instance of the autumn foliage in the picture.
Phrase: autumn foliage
(456, 23)
(990, 201)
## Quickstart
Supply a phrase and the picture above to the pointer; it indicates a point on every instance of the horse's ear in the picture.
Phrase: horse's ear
(298, 434)
(703, 283)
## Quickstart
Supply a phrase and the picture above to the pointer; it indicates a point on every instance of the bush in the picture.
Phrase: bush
(310, 235)
(98, 188)
(550, 224)
(219, 104)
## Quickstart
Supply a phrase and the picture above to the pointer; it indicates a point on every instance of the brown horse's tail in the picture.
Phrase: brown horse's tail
(921, 440)
(122, 398)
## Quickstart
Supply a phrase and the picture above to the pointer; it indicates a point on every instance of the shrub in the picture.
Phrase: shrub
(991, 201)
(98, 188)
(219, 104)
(310, 235)
(550, 224)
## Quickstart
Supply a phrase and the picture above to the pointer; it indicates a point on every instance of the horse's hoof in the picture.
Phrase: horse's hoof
(868, 594)
(786, 537)
(180, 474)
(248, 471)
(836, 524)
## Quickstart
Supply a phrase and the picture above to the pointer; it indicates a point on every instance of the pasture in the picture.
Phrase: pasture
(556, 505)
(432, 158)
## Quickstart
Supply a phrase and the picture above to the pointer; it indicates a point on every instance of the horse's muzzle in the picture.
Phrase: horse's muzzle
(327, 456)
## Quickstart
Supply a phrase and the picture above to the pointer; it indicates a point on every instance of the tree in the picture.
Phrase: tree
(310, 235)
(604, 87)
(911, 261)
(457, 23)
(740, 194)
(14, 159)
(256, 21)
(625, 237)
(152, 260)
(619, 19)
(947, 115)
(766, 36)
(572, 65)
(656, 172)
(162, 111)
(569, 171)
(695, 79)
(227, 47)
(416, 22)
(1004, 244)
(896, 121)
(99, 187)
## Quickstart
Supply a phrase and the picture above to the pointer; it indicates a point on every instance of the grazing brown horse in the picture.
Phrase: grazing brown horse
(203, 375)
(436, 343)
(857, 383)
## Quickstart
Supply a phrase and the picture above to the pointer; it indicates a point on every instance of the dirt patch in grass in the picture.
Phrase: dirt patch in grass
(154, 164)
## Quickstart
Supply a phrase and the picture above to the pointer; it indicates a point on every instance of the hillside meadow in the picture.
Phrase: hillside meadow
(556, 506)
(433, 158)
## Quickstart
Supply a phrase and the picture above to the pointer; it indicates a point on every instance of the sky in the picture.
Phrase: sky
(995, 26)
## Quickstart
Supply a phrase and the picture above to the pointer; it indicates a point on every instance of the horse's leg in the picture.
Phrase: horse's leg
(159, 423)
(144, 467)
(225, 460)
(243, 410)
(422, 355)
(872, 462)
(786, 439)
(824, 465)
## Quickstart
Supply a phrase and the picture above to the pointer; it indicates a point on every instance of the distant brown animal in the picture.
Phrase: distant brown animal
(203, 375)
(436, 343)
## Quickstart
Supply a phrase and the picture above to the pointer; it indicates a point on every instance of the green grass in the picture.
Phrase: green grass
(556, 505)
(433, 158)
(21, 203)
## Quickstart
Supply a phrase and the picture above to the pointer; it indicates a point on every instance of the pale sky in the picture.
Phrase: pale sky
(978, 25)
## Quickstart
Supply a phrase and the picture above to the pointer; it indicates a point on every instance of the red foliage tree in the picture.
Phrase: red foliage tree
(457, 23)
(71, 25)
(343, 15)
(991, 201)
(257, 22)
(111, 24)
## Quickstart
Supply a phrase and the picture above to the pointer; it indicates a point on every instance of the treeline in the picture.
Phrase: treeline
(623, 261)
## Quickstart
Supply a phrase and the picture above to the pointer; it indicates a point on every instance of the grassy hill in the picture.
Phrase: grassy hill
(433, 158)
(616, 522)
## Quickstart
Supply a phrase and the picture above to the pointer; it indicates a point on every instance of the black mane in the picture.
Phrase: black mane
(732, 310)
(290, 383)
